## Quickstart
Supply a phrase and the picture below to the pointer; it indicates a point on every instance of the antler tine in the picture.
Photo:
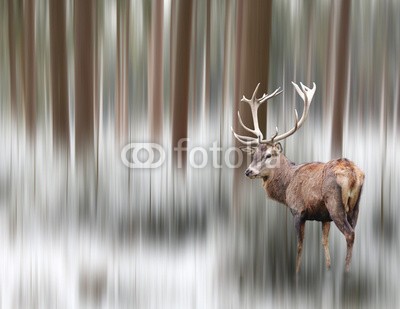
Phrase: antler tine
(307, 95)
(296, 118)
(254, 109)
(246, 140)
(276, 133)
(244, 126)
(253, 97)
(254, 104)
(266, 97)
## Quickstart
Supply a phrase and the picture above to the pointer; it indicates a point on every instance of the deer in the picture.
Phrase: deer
(315, 191)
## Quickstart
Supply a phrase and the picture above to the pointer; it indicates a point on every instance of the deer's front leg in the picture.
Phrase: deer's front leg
(299, 224)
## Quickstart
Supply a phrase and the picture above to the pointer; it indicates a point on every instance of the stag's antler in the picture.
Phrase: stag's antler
(305, 93)
(254, 105)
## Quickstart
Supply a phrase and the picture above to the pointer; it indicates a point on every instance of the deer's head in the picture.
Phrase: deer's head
(265, 160)
(266, 152)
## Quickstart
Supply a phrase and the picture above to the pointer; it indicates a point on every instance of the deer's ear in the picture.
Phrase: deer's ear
(248, 149)
(278, 147)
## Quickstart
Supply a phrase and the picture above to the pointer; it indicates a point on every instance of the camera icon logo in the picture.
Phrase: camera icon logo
(143, 155)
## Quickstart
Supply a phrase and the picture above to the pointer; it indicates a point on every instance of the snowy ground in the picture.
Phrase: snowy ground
(74, 268)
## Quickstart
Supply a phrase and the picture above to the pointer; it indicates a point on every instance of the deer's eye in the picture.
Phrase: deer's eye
(268, 156)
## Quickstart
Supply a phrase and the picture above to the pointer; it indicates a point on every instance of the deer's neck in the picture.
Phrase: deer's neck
(277, 183)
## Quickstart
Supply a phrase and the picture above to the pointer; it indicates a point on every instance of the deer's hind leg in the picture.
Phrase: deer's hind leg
(352, 216)
(334, 204)
(325, 242)
(299, 223)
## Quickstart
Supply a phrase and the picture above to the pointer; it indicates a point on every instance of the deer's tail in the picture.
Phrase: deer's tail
(351, 179)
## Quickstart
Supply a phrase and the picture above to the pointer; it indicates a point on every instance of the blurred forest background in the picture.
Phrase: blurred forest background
(81, 79)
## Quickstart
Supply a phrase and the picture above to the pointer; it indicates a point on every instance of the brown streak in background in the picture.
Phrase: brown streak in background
(229, 33)
(310, 37)
(29, 67)
(84, 129)
(196, 106)
(252, 66)
(181, 67)
(98, 37)
(254, 46)
(11, 44)
(118, 74)
(126, 71)
(59, 73)
(384, 125)
(121, 102)
(340, 93)
(156, 72)
(237, 94)
(207, 99)
(238, 172)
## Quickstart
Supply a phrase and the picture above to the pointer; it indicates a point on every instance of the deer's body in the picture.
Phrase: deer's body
(313, 191)
(306, 188)
(318, 191)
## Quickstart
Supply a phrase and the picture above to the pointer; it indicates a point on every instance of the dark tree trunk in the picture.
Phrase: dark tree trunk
(59, 77)
(11, 45)
(253, 42)
(181, 73)
(342, 64)
(252, 66)
(84, 127)
(29, 67)
(155, 69)
(121, 102)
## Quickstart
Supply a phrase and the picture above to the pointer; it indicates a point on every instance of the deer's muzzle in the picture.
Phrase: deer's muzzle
(250, 173)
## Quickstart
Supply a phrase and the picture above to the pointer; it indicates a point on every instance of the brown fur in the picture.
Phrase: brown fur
(314, 191)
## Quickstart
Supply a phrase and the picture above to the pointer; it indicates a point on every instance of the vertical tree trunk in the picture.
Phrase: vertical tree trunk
(384, 111)
(254, 56)
(342, 64)
(207, 86)
(29, 67)
(181, 73)
(252, 66)
(118, 92)
(99, 32)
(84, 135)
(229, 54)
(253, 40)
(238, 43)
(121, 102)
(156, 73)
(11, 45)
(328, 89)
(59, 79)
